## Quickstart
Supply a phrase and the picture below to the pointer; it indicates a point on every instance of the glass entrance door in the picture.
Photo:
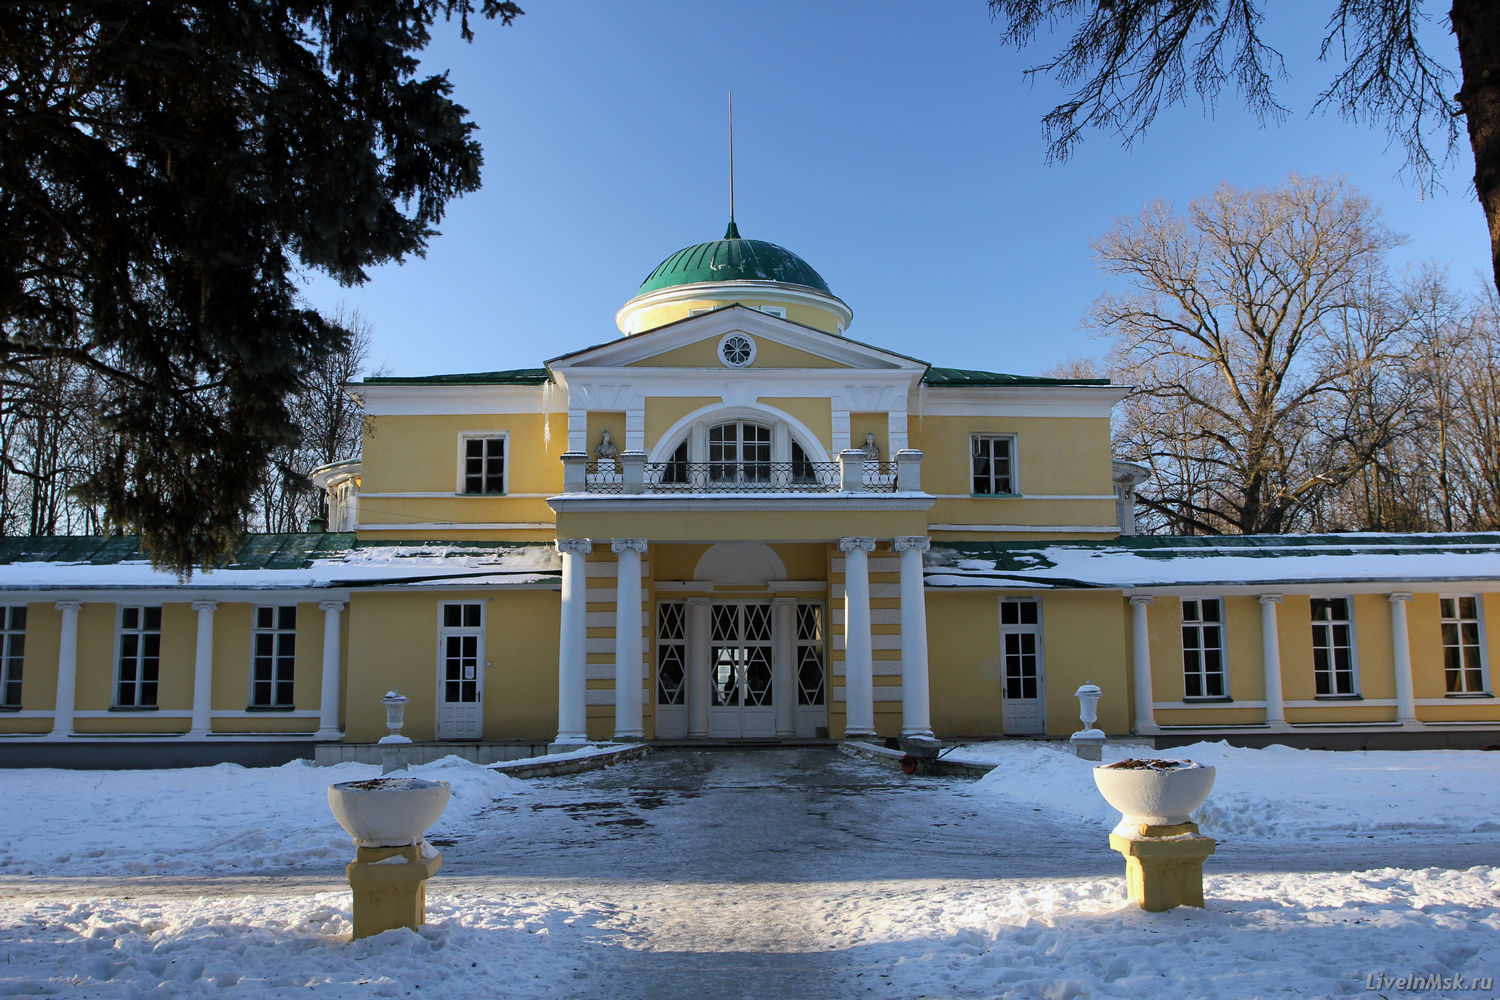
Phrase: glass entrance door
(1024, 706)
(460, 671)
(740, 672)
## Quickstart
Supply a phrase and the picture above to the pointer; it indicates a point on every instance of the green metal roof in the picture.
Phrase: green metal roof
(276, 551)
(290, 550)
(734, 259)
(970, 376)
(514, 376)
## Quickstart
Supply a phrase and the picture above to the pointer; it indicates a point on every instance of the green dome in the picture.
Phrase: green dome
(734, 259)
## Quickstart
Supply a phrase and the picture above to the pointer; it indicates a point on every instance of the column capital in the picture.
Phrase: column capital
(205, 605)
(575, 546)
(851, 543)
(331, 605)
(901, 543)
(622, 545)
(695, 602)
(778, 602)
(1142, 600)
(69, 605)
(1395, 598)
(1270, 598)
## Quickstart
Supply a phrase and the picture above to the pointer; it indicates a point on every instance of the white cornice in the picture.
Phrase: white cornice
(334, 473)
(1018, 401)
(442, 399)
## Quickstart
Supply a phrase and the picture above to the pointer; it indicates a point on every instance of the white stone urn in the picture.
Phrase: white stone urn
(388, 812)
(1154, 792)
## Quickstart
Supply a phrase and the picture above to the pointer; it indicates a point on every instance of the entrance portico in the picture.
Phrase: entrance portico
(736, 648)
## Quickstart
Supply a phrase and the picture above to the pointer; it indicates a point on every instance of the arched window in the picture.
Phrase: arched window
(754, 454)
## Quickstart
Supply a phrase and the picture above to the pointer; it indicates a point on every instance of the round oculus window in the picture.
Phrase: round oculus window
(736, 350)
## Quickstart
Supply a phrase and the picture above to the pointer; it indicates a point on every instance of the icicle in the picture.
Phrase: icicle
(546, 415)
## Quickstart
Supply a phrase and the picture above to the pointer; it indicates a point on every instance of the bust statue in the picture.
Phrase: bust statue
(605, 450)
(871, 449)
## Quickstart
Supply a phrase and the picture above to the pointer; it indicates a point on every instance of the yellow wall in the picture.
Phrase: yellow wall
(232, 644)
(723, 523)
(664, 411)
(393, 642)
(671, 312)
(1084, 642)
(1054, 455)
(963, 660)
(404, 454)
(861, 424)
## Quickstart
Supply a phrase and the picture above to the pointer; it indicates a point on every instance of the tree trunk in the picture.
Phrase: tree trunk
(1476, 23)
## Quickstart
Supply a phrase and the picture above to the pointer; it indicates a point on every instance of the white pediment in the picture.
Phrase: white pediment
(638, 350)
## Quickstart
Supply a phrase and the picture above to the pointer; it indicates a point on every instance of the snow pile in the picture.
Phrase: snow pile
(1277, 793)
(1308, 934)
(203, 820)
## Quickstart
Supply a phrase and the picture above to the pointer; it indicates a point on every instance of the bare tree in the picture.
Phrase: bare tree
(1126, 59)
(1237, 334)
(331, 425)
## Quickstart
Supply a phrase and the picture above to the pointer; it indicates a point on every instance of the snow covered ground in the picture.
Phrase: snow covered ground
(771, 874)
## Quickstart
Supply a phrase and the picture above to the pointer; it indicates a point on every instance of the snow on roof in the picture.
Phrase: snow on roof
(1161, 561)
(284, 561)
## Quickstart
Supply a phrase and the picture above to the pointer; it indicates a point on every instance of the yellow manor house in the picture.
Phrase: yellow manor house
(735, 523)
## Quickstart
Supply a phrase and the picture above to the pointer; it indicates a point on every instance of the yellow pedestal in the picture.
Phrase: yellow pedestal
(387, 893)
(1164, 868)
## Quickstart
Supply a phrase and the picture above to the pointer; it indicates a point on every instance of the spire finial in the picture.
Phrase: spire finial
(733, 232)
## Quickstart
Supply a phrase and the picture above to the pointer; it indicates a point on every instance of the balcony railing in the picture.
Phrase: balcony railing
(631, 473)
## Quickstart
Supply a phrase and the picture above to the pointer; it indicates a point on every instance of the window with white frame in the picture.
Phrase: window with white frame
(138, 664)
(1333, 647)
(1463, 650)
(992, 459)
(484, 463)
(739, 451)
(273, 658)
(12, 654)
(1203, 648)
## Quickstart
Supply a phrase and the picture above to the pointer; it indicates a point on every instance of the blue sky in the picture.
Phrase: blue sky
(896, 147)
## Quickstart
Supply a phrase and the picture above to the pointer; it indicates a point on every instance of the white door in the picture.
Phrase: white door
(1022, 677)
(808, 671)
(739, 672)
(460, 670)
(671, 670)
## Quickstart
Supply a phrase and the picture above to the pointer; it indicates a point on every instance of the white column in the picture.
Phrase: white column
(328, 698)
(67, 670)
(697, 667)
(1406, 702)
(1140, 655)
(1270, 658)
(572, 720)
(916, 714)
(203, 669)
(628, 726)
(859, 671)
(784, 681)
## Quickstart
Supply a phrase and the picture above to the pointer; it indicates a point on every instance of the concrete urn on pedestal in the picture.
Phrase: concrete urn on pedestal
(1163, 849)
(387, 818)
